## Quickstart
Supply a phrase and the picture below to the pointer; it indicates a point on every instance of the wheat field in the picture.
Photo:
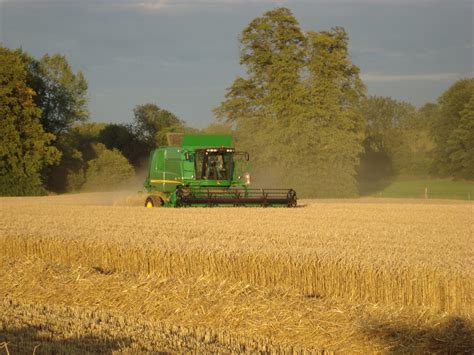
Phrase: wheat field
(99, 273)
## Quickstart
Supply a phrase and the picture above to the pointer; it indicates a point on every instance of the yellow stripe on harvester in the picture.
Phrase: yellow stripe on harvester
(168, 181)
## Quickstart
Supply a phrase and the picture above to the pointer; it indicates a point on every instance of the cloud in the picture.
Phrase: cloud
(380, 77)
(158, 4)
(176, 5)
(179, 5)
(182, 5)
(376, 51)
(168, 6)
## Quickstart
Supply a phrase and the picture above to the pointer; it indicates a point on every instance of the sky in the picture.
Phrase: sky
(183, 54)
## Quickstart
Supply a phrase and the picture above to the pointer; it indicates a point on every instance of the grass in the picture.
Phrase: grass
(435, 188)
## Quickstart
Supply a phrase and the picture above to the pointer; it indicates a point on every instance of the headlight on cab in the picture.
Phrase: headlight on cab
(247, 178)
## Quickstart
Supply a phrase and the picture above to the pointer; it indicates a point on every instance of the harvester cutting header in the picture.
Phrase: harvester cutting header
(205, 170)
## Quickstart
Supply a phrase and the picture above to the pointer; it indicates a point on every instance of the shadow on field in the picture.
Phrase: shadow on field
(454, 336)
(38, 340)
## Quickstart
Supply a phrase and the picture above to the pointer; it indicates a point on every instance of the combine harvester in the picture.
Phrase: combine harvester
(205, 170)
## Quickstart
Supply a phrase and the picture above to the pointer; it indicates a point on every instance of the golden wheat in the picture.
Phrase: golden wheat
(81, 309)
(329, 254)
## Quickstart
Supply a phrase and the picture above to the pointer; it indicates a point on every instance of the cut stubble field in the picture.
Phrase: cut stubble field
(90, 272)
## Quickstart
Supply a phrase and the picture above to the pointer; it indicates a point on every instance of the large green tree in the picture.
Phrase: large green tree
(123, 138)
(397, 141)
(83, 146)
(152, 123)
(461, 142)
(107, 171)
(76, 145)
(60, 93)
(296, 111)
(452, 131)
(25, 148)
(334, 125)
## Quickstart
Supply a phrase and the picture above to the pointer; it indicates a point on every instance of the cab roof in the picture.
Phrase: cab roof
(207, 140)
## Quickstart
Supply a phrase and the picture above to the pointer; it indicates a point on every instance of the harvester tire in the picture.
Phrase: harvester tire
(153, 201)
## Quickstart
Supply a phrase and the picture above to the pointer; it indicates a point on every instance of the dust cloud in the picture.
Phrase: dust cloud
(128, 193)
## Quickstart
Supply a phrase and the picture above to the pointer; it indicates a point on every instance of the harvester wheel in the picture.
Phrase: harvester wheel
(153, 201)
(291, 198)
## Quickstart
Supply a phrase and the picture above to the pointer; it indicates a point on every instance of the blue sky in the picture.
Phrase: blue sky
(182, 54)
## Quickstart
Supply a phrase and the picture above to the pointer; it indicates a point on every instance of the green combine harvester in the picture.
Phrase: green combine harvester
(205, 170)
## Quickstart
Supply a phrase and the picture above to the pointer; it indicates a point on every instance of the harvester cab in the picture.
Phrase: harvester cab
(205, 170)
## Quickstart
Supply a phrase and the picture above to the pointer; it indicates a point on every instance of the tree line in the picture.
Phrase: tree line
(301, 111)
(48, 143)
